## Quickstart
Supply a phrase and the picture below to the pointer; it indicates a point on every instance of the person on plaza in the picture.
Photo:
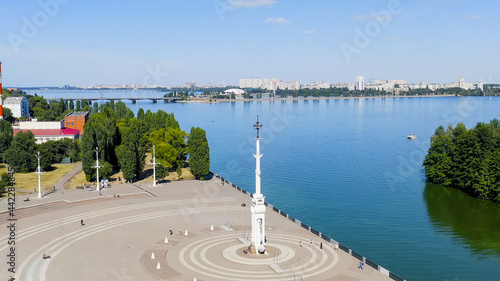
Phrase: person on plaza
(45, 256)
(300, 243)
(361, 265)
(81, 222)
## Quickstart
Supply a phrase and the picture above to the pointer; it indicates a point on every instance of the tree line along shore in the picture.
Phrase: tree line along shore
(466, 159)
(121, 139)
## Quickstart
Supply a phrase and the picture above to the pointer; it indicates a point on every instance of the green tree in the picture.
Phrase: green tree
(122, 111)
(199, 152)
(468, 160)
(100, 131)
(6, 136)
(7, 115)
(21, 154)
(161, 172)
(71, 104)
(179, 172)
(78, 105)
(177, 138)
(4, 182)
(140, 114)
(95, 108)
(132, 152)
(438, 159)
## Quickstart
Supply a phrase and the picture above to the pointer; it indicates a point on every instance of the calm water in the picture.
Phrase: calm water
(346, 168)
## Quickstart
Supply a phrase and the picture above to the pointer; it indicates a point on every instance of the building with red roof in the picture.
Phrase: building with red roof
(46, 131)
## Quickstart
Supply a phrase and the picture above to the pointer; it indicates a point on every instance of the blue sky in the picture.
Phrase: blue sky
(170, 42)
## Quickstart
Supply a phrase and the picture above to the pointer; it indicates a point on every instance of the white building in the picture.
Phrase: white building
(250, 83)
(283, 85)
(480, 86)
(360, 83)
(238, 93)
(47, 130)
(18, 105)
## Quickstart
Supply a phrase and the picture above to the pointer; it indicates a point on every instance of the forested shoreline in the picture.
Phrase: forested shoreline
(466, 159)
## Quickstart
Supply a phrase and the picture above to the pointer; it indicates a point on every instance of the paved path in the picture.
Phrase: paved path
(121, 234)
(60, 183)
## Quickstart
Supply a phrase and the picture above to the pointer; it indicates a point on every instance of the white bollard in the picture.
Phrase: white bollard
(153, 255)
(186, 232)
(166, 240)
(158, 266)
(212, 227)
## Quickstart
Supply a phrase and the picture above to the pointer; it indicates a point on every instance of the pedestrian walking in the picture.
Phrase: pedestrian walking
(81, 222)
(321, 245)
(300, 243)
(171, 232)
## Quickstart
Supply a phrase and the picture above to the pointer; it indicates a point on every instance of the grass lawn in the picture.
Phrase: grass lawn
(29, 181)
(145, 177)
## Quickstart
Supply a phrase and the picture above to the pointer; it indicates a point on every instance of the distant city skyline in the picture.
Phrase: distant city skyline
(171, 42)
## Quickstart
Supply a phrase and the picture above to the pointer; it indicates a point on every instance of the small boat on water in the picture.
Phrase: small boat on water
(411, 137)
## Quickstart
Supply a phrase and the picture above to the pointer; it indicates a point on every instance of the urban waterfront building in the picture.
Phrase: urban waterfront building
(250, 83)
(19, 106)
(76, 120)
(47, 130)
(238, 93)
(360, 83)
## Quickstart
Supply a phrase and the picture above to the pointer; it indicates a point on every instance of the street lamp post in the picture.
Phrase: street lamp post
(154, 166)
(39, 172)
(97, 167)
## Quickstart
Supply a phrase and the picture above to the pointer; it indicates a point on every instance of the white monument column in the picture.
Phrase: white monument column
(258, 208)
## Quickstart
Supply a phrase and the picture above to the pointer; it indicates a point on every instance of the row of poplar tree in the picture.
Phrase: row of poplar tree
(122, 141)
(466, 159)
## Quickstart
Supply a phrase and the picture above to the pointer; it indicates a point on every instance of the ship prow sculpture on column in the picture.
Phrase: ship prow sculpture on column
(258, 208)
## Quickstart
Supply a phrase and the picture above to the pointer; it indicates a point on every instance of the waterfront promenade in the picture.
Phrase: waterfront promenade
(124, 238)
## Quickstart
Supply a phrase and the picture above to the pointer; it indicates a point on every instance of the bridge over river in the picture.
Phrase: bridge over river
(133, 99)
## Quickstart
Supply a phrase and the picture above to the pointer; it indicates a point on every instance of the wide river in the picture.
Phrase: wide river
(345, 167)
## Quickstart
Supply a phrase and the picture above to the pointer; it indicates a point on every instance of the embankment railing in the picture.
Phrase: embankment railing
(317, 233)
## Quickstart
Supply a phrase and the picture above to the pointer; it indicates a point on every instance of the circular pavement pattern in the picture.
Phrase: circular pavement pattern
(218, 257)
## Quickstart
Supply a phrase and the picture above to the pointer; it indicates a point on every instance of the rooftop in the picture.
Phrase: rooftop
(77, 113)
(50, 132)
(13, 100)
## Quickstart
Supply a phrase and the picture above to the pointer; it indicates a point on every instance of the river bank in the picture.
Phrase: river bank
(211, 100)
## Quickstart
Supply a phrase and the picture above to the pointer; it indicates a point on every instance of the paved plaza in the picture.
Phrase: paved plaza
(128, 238)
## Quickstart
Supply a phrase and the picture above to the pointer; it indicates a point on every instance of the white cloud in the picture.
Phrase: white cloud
(277, 21)
(475, 16)
(309, 31)
(250, 3)
(370, 17)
